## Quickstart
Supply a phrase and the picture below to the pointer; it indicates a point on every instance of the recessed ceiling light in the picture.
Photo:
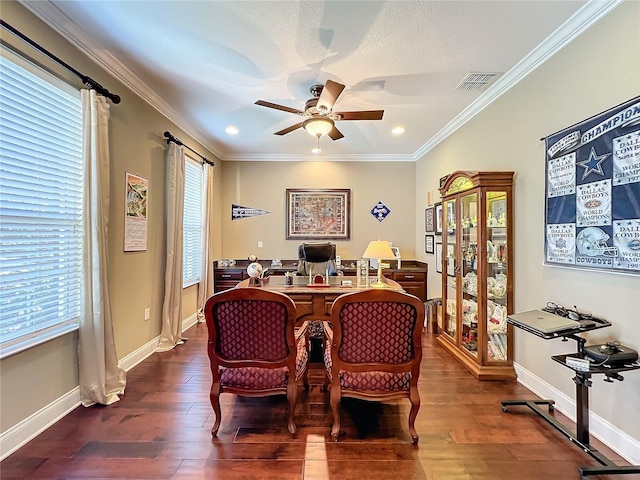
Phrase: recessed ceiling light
(231, 130)
(398, 131)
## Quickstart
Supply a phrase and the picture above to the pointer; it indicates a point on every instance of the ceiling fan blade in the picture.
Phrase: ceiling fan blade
(330, 93)
(335, 134)
(360, 115)
(262, 103)
(289, 129)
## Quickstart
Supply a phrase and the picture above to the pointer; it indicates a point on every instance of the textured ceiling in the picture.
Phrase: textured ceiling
(205, 63)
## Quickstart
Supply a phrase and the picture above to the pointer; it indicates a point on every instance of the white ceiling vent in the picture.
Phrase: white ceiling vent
(476, 81)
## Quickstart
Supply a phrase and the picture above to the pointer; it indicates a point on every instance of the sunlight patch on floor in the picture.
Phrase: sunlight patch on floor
(315, 458)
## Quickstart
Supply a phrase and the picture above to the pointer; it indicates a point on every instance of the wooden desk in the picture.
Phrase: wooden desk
(312, 303)
(412, 277)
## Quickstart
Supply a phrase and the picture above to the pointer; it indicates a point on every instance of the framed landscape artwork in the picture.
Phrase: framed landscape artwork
(321, 214)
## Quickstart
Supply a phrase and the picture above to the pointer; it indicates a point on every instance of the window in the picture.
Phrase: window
(41, 195)
(192, 223)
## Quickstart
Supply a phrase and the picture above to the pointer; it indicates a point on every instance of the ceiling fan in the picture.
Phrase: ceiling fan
(319, 112)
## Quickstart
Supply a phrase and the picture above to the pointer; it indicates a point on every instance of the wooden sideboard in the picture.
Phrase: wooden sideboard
(412, 275)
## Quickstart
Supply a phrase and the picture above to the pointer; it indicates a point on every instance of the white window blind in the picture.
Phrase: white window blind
(192, 222)
(41, 192)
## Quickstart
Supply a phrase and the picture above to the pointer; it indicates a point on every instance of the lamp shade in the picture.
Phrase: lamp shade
(378, 249)
(318, 126)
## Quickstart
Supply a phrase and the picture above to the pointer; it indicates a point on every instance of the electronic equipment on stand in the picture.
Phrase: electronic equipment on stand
(582, 363)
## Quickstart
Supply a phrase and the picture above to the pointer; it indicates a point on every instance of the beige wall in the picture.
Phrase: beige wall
(597, 71)
(33, 379)
(262, 185)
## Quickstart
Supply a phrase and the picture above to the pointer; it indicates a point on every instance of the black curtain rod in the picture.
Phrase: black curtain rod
(87, 81)
(177, 141)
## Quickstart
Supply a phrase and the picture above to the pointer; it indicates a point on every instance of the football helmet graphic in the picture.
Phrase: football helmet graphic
(592, 242)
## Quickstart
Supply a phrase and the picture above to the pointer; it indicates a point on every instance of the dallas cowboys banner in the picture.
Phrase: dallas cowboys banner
(592, 214)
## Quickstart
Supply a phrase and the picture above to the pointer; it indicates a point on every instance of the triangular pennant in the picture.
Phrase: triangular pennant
(238, 212)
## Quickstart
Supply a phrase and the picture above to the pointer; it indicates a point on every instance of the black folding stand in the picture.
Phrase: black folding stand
(583, 381)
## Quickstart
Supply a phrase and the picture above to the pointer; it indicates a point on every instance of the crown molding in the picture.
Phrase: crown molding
(582, 20)
(272, 157)
(58, 21)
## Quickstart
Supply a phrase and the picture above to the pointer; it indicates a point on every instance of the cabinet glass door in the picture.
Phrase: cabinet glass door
(449, 254)
(469, 272)
(497, 275)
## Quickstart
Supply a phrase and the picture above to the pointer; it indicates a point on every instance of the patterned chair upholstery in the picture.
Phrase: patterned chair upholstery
(253, 347)
(373, 350)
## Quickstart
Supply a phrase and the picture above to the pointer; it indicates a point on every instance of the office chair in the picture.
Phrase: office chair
(317, 258)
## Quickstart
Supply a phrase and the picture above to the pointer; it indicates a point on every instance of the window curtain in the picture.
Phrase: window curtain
(205, 289)
(171, 333)
(102, 379)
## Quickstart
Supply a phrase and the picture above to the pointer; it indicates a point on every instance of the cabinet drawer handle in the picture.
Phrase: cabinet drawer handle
(226, 275)
(409, 276)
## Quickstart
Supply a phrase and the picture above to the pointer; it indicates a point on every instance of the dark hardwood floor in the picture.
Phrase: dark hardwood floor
(161, 429)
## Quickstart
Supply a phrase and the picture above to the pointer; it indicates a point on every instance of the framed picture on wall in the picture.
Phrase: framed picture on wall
(429, 243)
(439, 257)
(135, 217)
(318, 214)
(429, 220)
(438, 218)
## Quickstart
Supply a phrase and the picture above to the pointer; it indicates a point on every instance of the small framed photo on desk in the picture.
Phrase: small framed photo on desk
(363, 273)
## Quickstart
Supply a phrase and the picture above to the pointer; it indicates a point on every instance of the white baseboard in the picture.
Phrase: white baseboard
(30, 427)
(137, 356)
(620, 442)
(189, 322)
(18, 435)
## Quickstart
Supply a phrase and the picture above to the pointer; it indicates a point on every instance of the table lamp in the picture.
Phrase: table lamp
(378, 249)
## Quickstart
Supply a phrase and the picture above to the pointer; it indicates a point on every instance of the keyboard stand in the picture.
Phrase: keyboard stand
(583, 381)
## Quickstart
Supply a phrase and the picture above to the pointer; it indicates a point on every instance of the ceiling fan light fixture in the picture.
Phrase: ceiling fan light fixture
(318, 126)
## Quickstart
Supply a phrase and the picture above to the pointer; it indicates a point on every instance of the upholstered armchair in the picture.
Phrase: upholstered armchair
(253, 347)
(372, 350)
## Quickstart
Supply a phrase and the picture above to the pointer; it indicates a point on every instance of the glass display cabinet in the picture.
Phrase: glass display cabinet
(477, 271)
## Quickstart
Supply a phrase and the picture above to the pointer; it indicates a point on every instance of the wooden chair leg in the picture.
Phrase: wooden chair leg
(292, 395)
(307, 345)
(214, 396)
(305, 378)
(327, 378)
(413, 413)
(335, 408)
(325, 381)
